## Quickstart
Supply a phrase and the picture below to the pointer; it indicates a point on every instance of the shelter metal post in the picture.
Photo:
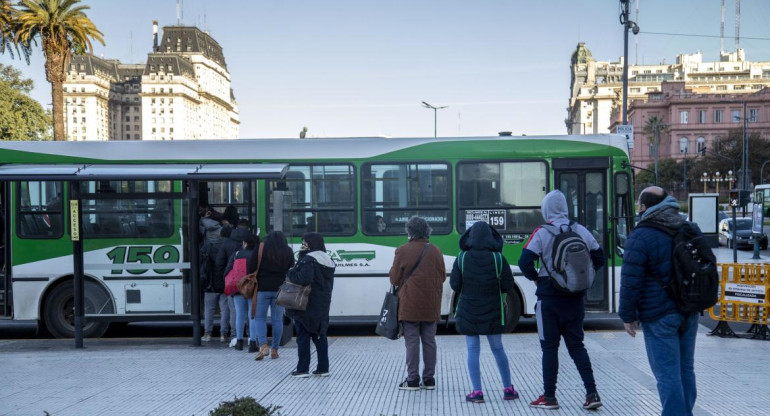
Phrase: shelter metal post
(193, 238)
(77, 260)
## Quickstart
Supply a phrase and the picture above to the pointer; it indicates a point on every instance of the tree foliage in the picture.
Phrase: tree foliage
(21, 117)
(7, 33)
(63, 29)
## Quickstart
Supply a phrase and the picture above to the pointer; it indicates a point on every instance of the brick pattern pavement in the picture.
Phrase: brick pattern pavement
(169, 377)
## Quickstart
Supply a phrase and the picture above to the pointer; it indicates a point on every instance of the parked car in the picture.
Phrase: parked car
(744, 236)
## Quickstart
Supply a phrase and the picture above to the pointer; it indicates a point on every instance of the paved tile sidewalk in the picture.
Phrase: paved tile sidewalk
(169, 377)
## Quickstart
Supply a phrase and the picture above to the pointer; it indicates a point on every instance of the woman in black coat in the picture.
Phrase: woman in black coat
(314, 268)
(481, 275)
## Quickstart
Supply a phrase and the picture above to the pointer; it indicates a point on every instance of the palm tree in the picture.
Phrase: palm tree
(652, 129)
(64, 30)
(7, 42)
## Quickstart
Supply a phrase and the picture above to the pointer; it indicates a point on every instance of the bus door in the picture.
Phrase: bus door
(234, 200)
(583, 182)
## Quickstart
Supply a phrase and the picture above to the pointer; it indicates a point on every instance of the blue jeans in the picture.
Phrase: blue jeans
(473, 343)
(671, 353)
(242, 312)
(265, 300)
(303, 349)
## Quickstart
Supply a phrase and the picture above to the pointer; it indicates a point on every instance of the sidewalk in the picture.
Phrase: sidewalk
(131, 377)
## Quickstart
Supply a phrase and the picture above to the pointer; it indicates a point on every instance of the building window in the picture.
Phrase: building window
(701, 144)
(683, 117)
(128, 137)
(701, 116)
(717, 116)
(753, 115)
(736, 116)
(684, 145)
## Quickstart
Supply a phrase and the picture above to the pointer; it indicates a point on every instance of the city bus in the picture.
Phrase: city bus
(357, 192)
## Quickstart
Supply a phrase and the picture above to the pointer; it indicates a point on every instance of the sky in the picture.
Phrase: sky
(361, 68)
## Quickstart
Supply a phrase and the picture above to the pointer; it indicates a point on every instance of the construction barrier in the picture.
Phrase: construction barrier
(743, 294)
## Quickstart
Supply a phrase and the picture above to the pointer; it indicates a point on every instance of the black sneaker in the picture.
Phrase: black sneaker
(409, 385)
(321, 373)
(239, 345)
(428, 383)
(593, 401)
(300, 374)
(253, 346)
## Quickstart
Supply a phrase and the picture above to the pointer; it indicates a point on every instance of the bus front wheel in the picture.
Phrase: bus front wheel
(512, 311)
(59, 310)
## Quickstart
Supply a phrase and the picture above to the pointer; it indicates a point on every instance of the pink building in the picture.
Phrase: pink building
(693, 120)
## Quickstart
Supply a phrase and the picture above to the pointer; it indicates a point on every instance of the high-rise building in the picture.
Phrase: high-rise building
(596, 90)
(182, 92)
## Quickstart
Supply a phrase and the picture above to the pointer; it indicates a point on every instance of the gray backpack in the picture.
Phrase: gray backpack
(573, 271)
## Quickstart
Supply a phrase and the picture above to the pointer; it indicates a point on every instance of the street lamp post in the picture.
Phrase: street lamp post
(762, 171)
(705, 180)
(717, 179)
(684, 150)
(627, 24)
(435, 116)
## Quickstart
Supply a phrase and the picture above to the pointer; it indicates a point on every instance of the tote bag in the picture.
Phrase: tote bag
(388, 326)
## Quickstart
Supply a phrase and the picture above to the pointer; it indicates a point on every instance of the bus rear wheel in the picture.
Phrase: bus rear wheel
(59, 310)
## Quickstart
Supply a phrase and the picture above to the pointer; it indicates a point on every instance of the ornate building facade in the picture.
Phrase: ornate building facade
(693, 120)
(182, 92)
(596, 86)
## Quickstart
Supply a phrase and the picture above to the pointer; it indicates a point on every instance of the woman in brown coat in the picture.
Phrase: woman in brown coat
(419, 305)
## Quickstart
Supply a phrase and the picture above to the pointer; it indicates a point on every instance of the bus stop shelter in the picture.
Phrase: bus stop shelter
(190, 174)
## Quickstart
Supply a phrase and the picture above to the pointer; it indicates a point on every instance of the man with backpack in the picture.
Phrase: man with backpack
(652, 262)
(569, 257)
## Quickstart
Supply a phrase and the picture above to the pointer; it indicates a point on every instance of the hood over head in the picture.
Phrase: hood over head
(322, 258)
(481, 236)
(665, 213)
(554, 207)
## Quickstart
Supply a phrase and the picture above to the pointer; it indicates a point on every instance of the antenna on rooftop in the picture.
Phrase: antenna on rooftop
(722, 29)
(179, 12)
(737, 24)
(636, 38)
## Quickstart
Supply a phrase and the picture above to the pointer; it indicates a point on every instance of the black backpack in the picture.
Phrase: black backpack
(573, 270)
(694, 284)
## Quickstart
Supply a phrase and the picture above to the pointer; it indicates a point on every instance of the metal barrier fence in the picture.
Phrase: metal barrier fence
(743, 294)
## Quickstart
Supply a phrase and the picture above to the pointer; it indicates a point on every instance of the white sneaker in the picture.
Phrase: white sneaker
(206, 337)
(233, 342)
(222, 338)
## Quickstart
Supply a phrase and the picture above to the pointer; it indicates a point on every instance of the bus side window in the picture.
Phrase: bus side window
(40, 209)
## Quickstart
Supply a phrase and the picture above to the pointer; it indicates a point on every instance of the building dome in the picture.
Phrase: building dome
(581, 55)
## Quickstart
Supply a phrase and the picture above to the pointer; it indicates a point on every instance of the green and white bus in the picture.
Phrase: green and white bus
(357, 192)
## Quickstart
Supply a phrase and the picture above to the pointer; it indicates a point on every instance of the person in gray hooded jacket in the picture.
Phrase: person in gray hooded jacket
(559, 314)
